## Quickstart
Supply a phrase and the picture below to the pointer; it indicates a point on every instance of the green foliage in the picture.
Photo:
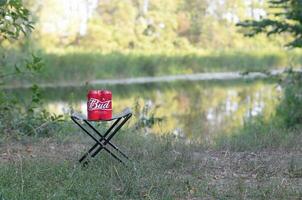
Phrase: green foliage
(145, 25)
(35, 64)
(258, 134)
(284, 17)
(14, 19)
(81, 66)
(290, 109)
(145, 114)
(18, 118)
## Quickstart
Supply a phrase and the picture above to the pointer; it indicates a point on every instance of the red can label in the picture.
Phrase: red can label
(96, 104)
(99, 105)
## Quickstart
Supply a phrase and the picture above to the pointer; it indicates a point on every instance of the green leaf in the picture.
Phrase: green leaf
(3, 2)
(17, 69)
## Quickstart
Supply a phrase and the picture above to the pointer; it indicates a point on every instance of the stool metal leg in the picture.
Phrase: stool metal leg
(96, 140)
(102, 138)
(111, 135)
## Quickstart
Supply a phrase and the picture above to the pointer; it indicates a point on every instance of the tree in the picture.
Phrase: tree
(196, 11)
(285, 16)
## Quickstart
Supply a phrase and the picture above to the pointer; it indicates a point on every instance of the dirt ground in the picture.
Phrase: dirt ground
(45, 148)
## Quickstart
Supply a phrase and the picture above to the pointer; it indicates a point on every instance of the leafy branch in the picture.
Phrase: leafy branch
(285, 16)
(14, 19)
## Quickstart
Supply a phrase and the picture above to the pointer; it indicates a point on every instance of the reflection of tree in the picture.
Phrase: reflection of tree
(227, 107)
(193, 119)
(198, 110)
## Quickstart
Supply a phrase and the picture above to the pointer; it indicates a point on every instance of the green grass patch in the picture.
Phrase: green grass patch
(79, 65)
(257, 134)
(160, 168)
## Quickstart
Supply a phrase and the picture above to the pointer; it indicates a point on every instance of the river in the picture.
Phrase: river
(198, 110)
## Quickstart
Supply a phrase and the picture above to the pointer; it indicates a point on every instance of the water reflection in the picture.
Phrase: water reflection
(194, 110)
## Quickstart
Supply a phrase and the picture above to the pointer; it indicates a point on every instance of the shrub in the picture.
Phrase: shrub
(289, 112)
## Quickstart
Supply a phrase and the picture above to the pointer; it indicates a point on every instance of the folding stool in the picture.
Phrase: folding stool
(104, 139)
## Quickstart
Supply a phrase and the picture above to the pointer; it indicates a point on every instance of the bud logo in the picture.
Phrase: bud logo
(95, 104)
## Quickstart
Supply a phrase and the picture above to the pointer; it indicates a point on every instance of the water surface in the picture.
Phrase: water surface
(194, 110)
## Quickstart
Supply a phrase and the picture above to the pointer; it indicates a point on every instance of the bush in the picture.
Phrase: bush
(19, 118)
(289, 112)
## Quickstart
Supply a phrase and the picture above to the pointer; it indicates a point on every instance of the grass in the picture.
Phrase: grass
(256, 134)
(161, 168)
(79, 65)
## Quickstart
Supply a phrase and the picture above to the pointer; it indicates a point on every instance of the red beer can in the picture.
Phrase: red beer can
(99, 105)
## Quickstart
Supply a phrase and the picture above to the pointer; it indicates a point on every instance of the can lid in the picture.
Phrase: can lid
(106, 91)
(92, 91)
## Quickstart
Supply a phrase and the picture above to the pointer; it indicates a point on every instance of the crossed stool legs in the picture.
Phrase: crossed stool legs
(104, 139)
